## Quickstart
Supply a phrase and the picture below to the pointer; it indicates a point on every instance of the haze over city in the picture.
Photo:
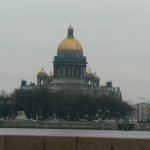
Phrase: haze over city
(114, 35)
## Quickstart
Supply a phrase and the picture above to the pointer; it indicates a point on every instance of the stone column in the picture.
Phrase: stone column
(73, 72)
(78, 72)
(69, 71)
(56, 75)
(63, 71)
(66, 71)
(59, 72)
(54, 71)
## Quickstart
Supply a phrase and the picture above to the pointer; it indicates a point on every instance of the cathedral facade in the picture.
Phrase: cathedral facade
(70, 72)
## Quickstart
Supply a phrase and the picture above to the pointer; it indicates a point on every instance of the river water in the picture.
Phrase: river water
(76, 133)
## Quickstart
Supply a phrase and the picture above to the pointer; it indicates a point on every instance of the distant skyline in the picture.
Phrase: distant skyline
(115, 36)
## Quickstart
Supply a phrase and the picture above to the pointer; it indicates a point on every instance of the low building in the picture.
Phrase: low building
(141, 112)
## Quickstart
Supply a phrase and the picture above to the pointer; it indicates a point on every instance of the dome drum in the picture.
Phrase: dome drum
(80, 60)
(70, 54)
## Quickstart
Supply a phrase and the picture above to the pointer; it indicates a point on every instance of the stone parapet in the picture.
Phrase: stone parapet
(14, 142)
(93, 143)
(24, 143)
(2, 142)
(60, 143)
(130, 144)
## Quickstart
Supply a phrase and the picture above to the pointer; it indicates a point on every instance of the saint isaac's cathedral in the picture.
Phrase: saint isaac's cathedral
(70, 72)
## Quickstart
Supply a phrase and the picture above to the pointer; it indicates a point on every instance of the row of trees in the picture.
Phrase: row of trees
(63, 104)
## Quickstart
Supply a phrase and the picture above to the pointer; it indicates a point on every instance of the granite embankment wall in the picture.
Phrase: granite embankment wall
(71, 125)
(56, 125)
(12, 142)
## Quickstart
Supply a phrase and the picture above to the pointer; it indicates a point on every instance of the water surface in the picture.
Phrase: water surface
(76, 133)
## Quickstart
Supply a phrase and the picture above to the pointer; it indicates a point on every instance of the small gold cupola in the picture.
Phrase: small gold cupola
(41, 72)
(50, 74)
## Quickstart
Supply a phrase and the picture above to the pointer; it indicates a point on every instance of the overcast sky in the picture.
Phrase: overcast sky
(115, 35)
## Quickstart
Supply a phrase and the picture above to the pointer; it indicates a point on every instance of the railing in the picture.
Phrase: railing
(56, 58)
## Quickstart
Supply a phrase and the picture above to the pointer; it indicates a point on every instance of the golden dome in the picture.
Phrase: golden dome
(70, 43)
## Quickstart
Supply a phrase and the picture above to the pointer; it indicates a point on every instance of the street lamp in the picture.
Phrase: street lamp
(99, 113)
(106, 112)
